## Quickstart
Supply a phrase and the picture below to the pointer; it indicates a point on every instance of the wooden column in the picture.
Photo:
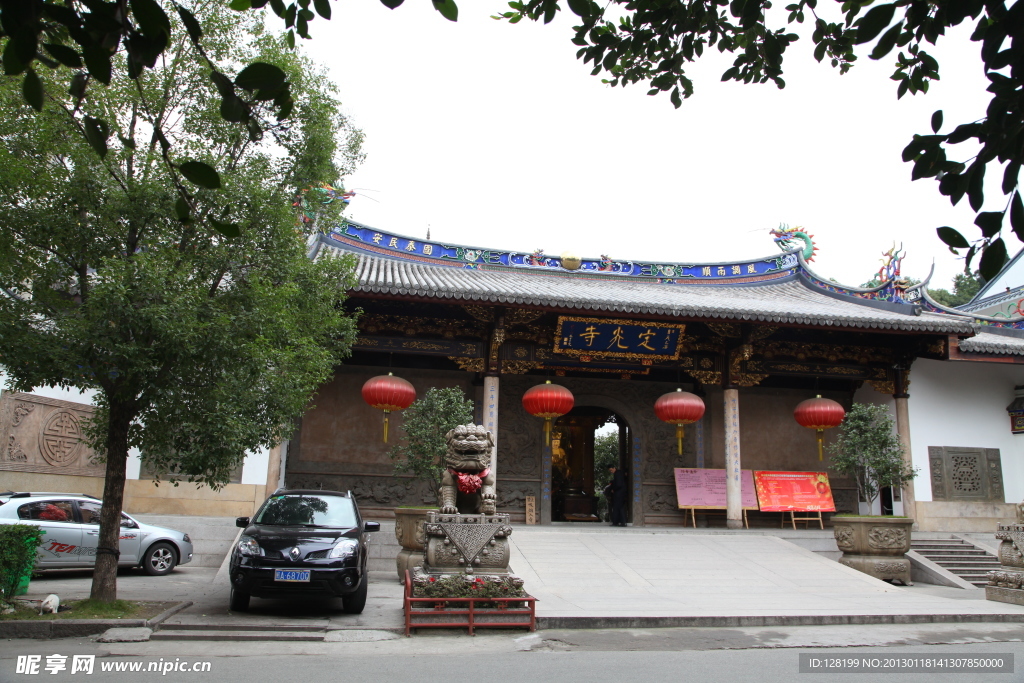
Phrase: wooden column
(490, 415)
(902, 397)
(733, 483)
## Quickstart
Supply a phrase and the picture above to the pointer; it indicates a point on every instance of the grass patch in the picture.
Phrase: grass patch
(89, 609)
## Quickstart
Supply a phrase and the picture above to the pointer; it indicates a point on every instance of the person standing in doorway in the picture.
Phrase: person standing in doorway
(618, 497)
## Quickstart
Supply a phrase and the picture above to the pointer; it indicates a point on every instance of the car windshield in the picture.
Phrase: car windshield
(332, 511)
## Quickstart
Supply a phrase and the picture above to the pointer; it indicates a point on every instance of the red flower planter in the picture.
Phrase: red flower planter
(466, 613)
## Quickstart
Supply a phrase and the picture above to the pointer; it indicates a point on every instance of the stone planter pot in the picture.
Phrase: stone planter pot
(410, 535)
(875, 546)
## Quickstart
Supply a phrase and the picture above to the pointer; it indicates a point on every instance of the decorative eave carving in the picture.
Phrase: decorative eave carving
(468, 364)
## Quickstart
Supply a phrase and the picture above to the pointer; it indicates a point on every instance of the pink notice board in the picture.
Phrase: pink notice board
(705, 489)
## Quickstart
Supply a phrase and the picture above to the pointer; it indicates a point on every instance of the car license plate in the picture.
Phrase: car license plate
(296, 575)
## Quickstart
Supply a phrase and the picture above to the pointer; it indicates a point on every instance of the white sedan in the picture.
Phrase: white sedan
(71, 530)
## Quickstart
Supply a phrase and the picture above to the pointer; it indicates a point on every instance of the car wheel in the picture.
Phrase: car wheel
(239, 600)
(159, 559)
(353, 603)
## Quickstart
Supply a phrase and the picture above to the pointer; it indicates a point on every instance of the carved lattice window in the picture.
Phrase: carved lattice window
(965, 473)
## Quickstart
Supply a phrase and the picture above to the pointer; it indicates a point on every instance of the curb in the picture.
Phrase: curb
(75, 628)
(754, 621)
(168, 613)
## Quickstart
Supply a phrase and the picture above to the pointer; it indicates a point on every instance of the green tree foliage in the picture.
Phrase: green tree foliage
(965, 286)
(629, 41)
(199, 346)
(606, 454)
(424, 425)
(868, 450)
(18, 543)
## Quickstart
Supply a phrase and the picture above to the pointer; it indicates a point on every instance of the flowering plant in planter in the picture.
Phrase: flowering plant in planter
(868, 450)
(463, 586)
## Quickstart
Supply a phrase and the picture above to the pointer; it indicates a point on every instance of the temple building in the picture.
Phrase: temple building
(753, 338)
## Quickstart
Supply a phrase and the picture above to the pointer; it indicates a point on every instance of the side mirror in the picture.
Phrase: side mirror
(128, 524)
(241, 522)
(371, 526)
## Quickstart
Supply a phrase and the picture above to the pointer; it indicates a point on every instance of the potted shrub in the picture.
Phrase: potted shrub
(868, 451)
(421, 454)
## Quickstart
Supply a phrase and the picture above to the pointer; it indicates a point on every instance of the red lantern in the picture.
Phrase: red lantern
(679, 408)
(548, 401)
(820, 414)
(387, 393)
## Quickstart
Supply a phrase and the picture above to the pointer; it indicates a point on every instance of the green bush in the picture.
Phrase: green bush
(18, 543)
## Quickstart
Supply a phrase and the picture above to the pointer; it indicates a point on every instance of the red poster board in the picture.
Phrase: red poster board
(794, 492)
(704, 489)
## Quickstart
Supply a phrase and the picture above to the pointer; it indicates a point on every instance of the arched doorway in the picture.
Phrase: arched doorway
(578, 477)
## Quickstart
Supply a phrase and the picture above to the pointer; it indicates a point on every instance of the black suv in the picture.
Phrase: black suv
(302, 544)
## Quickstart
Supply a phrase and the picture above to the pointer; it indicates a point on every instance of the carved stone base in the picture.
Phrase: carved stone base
(1012, 537)
(1014, 596)
(1006, 584)
(408, 559)
(884, 568)
(469, 544)
(409, 534)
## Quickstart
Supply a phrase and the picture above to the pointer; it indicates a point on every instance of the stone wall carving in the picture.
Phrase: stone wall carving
(369, 491)
(39, 434)
(512, 494)
(965, 473)
(661, 500)
(520, 435)
(846, 500)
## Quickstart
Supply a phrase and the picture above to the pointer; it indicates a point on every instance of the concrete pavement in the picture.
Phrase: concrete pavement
(601, 577)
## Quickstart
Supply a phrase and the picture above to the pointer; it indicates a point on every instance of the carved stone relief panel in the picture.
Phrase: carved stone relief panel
(368, 491)
(521, 434)
(965, 473)
(39, 434)
(660, 500)
(512, 494)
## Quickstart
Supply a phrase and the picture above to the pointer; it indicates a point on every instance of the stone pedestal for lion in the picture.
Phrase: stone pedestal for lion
(467, 544)
(1006, 584)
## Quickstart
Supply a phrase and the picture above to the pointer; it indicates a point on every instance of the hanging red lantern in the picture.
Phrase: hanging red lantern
(820, 414)
(548, 401)
(387, 393)
(679, 408)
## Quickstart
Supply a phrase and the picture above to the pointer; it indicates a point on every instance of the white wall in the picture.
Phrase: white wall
(254, 470)
(963, 403)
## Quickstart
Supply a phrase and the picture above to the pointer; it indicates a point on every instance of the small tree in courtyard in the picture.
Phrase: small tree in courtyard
(424, 426)
(868, 450)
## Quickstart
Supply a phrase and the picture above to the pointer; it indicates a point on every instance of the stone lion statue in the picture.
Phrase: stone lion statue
(467, 485)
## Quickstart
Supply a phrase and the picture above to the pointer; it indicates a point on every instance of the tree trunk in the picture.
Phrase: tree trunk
(104, 577)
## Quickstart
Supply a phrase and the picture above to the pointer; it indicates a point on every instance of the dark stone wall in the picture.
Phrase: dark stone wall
(339, 442)
(339, 446)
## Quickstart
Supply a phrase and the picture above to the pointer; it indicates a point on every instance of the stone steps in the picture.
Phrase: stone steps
(958, 557)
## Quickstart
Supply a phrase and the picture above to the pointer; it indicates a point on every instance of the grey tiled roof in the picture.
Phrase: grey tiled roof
(988, 342)
(780, 301)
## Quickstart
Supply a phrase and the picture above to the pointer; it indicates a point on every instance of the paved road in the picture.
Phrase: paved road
(620, 655)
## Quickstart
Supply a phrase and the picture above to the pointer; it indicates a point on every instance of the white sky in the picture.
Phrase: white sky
(496, 135)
